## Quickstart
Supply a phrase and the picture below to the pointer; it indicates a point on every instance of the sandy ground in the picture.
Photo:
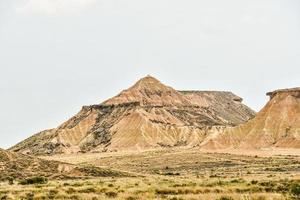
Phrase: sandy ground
(261, 152)
(81, 158)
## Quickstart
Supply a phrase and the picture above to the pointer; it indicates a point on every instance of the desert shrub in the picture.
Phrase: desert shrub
(66, 184)
(131, 198)
(256, 189)
(269, 189)
(242, 190)
(111, 194)
(166, 191)
(267, 184)
(176, 198)
(34, 180)
(225, 198)
(295, 190)
(10, 180)
(29, 196)
(77, 184)
(3, 197)
(283, 188)
(52, 194)
(102, 190)
(75, 197)
(70, 190)
(254, 182)
(172, 174)
(87, 190)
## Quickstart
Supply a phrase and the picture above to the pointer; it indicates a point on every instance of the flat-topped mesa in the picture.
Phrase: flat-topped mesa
(149, 91)
(147, 115)
(289, 91)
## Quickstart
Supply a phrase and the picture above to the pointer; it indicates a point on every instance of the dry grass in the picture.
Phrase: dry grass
(151, 188)
(172, 174)
(193, 164)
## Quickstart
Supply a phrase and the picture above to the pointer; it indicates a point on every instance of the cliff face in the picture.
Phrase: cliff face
(276, 125)
(147, 115)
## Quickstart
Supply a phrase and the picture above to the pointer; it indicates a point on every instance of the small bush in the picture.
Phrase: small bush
(3, 197)
(10, 180)
(111, 194)
(34, 180)
(52, 194)
(70, 190)
(225, 198)
(295, 190)
(87, 190)
(131, 198)
(29, 196)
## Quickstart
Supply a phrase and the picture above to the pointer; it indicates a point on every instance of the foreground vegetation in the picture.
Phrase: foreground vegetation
(172, 188)
(168, 174)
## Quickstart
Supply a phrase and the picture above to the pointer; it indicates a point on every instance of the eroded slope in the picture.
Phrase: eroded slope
(147, 115)
(276, 125)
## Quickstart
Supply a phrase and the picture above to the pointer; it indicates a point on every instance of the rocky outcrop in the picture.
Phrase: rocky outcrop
(277, 125)
(147, 115)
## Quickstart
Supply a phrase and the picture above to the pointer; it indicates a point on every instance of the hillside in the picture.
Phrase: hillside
(147, 115)
(18, 166)
(277, 125)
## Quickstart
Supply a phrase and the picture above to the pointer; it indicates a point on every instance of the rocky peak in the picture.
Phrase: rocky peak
(149, 91)
(149, 83)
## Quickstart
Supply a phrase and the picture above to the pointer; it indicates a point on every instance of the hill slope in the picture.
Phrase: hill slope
(22, 166)
(276, 125)
(147, 115)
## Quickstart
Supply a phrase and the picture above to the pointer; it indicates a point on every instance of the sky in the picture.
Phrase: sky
(58, 55)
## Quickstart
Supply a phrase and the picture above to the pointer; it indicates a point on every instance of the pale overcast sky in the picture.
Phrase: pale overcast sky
(57, 55)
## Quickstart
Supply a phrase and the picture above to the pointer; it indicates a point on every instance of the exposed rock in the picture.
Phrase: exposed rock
(276, 125)
(147, 115)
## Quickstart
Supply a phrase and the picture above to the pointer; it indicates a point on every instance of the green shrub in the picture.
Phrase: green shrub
(295, 190)
(34, 180)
